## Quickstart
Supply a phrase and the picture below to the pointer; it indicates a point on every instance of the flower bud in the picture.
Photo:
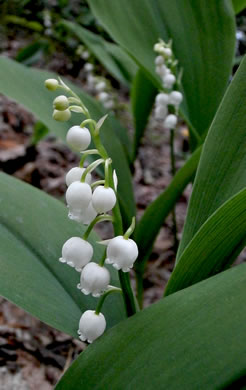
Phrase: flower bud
(99, 87)
(160, 112)
(169, 80)
(159, 60)
(170, 122)
(162, 99)
(75, 174)
(103, 199)
(61, 103)
(61, 116)
(78, 196)
(79, 138)
(85, 216)
(175, 98)
(51, 84)
(76, 252)
(122, 253)
(91, 326)
(94, 279)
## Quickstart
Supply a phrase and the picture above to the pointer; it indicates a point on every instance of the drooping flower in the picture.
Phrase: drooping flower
(103, 199)
(79, 138)
(122, 253)
(76, 252)
(91, 326)
(94, 279)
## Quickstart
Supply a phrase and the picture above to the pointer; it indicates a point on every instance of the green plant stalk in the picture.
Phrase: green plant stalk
(104, 296)
(173, 171)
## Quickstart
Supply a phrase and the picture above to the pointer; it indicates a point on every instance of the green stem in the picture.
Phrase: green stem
(131, 228)
(104, 296)
(99, 218)
(102, 261)
(106, 170)
(90, 168)
(173, 170)
(97, 183)
(85, 155)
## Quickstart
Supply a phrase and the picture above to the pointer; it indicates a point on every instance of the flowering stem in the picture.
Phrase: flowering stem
(90, 168)
(85, 155)
(102, 261)
(130, 230)
(106, 170)
(97, 183)
(104, 296)
(173, 171)
(99, 218)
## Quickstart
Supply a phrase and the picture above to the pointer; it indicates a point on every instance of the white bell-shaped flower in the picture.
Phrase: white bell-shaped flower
(103, 199)
(79, 138)
(122, 253)
(91, 326)
(109, 104)
(99, 87)
(159, 60)
(88, 67)
(175, 98)
(161, 70)
(94, 279)
(78, 197)
(160, 112)
(76, 252)
(170, 122)
(169, 80)
(85, 216)
(103, 96)
(75, 174)
(162, 99)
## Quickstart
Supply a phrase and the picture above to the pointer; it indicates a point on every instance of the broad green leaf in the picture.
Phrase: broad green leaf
(32, 53)
(222, 168)
(159, 209)
(27, 88)
(194, 339)
(143, 94)
(33, 228)
(238, 5)
(203, 41)
(214, 247)
(118, 63)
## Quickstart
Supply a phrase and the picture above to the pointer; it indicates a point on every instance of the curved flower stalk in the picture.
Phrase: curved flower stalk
(90, 203)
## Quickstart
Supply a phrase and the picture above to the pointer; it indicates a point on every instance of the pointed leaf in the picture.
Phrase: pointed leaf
(214, 247)
(222, 168)
(194, 339)
(238, 5)
(33, 228)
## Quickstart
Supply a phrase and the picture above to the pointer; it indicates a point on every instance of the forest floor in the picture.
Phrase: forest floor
(32, 354)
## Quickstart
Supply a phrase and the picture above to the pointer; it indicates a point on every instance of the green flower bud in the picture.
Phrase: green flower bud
(61, 116)
(61, 103)
(51, 84)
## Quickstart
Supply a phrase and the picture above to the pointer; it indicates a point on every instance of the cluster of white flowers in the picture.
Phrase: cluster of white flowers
(170, 98)
(101, 86)
(88, 204)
